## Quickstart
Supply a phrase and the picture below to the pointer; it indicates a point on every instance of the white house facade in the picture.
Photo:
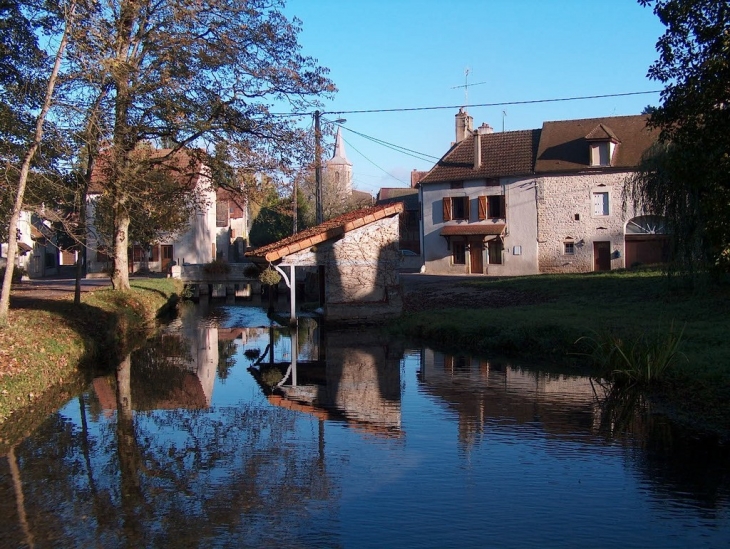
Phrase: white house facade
(536, 201)
(194, 246)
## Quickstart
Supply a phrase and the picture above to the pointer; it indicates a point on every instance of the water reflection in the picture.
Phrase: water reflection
(231, 430)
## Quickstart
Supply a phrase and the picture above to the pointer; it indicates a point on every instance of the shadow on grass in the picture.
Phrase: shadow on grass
(57, 347)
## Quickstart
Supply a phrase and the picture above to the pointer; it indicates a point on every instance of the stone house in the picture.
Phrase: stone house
(217, 223)
(534, 201)
(356, 257)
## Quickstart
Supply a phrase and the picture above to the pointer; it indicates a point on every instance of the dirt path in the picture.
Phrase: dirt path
(422, 292)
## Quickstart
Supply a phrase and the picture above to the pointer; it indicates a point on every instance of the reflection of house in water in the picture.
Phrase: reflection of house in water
(358, 382)
(177, 370)
(484, 392)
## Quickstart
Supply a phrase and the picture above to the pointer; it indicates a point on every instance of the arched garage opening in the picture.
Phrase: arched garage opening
(646, 241)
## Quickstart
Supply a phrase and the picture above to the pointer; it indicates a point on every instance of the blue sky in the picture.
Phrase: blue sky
(404, 54)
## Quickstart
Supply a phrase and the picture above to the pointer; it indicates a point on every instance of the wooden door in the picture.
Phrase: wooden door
(476, 255)
(166, 257)
(601, 256)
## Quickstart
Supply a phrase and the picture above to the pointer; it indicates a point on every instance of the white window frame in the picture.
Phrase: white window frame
(605, 204)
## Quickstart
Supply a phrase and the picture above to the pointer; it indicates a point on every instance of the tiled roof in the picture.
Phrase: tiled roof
(185, 166)
(564, 144)
(331, 228)
(472, 229)
(409, 197)
(601, 133)
(395, 192)
(503, 154)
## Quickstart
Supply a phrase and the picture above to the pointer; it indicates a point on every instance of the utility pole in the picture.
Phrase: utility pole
(318, 166)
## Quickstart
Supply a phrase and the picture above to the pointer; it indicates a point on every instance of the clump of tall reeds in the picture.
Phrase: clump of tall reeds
(637, 360)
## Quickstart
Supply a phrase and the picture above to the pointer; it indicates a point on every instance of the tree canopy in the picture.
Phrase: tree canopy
(192, 74)
(687, 177)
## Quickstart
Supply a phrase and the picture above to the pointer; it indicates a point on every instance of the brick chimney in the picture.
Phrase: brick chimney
(464, 125)
(484, 129)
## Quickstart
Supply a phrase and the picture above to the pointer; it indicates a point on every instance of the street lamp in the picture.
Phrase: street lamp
(318, 163)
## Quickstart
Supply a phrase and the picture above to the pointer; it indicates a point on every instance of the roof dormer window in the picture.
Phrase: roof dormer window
(601, 153)
(602, 143)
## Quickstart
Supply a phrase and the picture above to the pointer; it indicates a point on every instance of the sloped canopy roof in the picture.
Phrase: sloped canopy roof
(473, 229)
(328, 230)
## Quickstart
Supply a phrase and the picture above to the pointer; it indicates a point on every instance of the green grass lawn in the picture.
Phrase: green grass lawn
(627, 304)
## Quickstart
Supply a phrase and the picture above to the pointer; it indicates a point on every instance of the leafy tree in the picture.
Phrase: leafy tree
(687, 177)
(30, 146)
(273, 220)
(194, 72)
(165, 197)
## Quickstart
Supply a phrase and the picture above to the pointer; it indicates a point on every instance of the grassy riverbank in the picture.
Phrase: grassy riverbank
(48, 343)
(554, 311)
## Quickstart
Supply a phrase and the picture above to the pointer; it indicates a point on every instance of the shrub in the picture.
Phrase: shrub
(217, 267)
(251, 271)
(18, 273)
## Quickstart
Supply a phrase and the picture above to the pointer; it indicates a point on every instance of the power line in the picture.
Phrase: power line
(410, 152)
(501, 104)
(373, 163)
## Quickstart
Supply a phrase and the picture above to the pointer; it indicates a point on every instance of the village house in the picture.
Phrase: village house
(38, 252)
(535, 201)
(218, 227)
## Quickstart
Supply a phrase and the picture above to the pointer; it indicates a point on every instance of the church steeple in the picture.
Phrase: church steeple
(340, 156)
(338, 169)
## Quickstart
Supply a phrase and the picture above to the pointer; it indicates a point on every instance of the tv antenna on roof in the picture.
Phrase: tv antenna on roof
(466, 85)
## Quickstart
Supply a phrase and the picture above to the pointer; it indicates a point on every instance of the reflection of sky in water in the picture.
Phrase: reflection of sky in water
(487, 455)
(230, 316)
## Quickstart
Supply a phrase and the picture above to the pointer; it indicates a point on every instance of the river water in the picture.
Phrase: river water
(229, 430)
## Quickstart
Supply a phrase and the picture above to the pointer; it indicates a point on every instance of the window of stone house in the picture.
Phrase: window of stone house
(496, 206)
(569, 247)
(600, 203)
(458, 253)
(455, 207)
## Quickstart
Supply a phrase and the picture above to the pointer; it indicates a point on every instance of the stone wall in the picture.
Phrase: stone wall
(565, 213)
(361, 271)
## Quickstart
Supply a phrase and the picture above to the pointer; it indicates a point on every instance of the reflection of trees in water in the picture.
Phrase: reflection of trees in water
(670, 458)
(226, 357)
(174, 478)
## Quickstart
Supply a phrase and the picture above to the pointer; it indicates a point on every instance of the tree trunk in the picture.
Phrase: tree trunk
(120, 265)
(25, 170)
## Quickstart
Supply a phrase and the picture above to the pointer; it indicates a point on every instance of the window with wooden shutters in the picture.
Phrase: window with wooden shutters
(495, 206)
(460, 207)
(482, 201)
(456, 207)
